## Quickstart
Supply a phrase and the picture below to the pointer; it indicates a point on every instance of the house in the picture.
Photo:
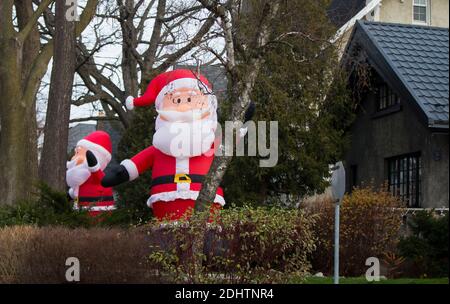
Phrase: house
(400, 134)
(344, 13)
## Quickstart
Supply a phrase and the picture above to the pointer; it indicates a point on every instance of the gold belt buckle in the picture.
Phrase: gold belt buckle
(182, 178)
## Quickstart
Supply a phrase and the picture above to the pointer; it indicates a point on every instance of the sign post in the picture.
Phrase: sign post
(338, 191)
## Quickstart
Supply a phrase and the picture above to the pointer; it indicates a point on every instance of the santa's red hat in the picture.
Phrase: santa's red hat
(100, 144)
(166, 82)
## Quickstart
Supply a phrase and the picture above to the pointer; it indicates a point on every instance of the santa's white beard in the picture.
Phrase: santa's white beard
(76, 175)
(184, 139)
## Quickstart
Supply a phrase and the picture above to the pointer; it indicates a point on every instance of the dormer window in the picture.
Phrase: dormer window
(420, 11)
(386, 97)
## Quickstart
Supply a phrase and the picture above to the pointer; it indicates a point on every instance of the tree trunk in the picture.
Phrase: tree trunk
(242, 84)
(15, 158)
(129, 62)
(54, 153)
(18, 135)
(30, 52)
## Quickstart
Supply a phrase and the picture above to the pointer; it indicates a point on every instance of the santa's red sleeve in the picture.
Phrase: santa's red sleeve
(139, 163)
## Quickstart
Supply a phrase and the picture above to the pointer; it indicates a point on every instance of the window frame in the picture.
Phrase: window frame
(385, 95)
(406, 182)
(427, 10)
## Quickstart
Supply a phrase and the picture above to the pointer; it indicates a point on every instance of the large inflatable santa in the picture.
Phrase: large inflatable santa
(85, 172)
(183, 144)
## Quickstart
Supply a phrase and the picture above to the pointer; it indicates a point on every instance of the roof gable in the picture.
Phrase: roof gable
(418, 56)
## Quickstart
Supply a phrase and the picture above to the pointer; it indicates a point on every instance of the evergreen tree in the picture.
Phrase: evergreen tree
(301, 87)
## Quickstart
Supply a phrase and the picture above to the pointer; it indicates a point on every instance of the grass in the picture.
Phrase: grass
(362, 280)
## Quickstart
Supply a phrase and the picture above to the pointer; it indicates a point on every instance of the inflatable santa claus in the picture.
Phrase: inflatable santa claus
(183, 144)
(85, 172)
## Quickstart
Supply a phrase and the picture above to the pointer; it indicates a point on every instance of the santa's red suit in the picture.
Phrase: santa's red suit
(176, 182)
(85, 182)
(176, 178)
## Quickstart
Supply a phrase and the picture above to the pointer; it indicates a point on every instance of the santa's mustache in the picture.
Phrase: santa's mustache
(76, 175)
(187, 116)
(184, 139)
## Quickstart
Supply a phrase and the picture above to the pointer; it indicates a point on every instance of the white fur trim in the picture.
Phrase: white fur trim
(180, 83)
(219, 199)
(131, 168)
(95, 168)
(129, 103)
(98, 208)
(173, 195)
(102, 152)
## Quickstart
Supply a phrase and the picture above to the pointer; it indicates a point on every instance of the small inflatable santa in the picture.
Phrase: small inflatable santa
(183, 144)
(85, 172)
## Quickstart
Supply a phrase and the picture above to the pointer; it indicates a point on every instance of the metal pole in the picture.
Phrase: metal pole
(336, 242)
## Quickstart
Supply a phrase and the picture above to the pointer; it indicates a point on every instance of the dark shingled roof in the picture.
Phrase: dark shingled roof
(419, 57)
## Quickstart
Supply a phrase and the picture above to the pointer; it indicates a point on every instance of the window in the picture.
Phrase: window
(420, 8)
(386, 97)
(404, 178)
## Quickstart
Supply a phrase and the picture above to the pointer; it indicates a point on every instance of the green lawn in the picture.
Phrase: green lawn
(362, 280)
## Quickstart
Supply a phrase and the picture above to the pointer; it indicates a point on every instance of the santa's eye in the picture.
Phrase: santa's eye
(189, 99)
(179, 100)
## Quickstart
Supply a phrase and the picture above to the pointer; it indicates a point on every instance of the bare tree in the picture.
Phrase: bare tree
(146, 50)
(244, 57)
(52, 165)
(24, 63)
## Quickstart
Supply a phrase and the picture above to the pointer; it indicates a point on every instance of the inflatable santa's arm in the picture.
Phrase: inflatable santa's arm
(129, 169)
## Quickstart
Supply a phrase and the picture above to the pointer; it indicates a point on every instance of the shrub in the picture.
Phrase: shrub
(246, 245)
(370, 222)
(37, 255)
(426, 250)
(52, 208)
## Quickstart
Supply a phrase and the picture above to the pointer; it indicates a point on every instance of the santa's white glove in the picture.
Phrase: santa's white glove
(72, 193)
(129, 103)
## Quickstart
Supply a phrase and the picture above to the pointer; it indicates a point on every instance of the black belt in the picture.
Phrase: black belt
(178, 178)
(90, 199)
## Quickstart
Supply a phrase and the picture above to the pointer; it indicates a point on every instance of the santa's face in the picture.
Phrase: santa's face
(80, 155)
(77, 169)
(179, 104)
(186, 123)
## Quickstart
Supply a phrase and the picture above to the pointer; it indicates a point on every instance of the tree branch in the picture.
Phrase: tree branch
(172, 58)
(181, 13)
(40, 64)
(23, 34)
(96, 118)
(6, 21)
(149, 54)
